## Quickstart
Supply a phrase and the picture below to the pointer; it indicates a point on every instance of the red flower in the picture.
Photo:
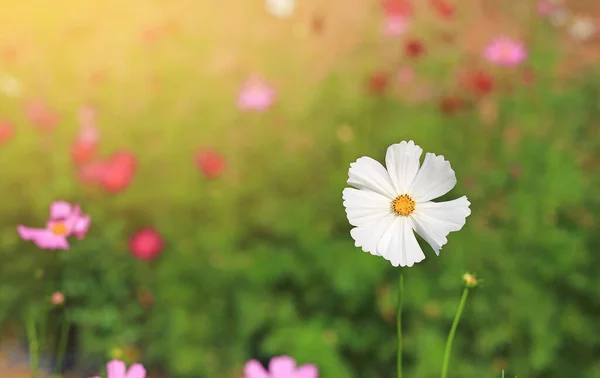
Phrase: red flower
(378, 82)
(119, 172)
(443, 8)
(83, 151)
(481, 83)
(414, 48)
(397, 8)
(146, 244)
(211, 163)
(6, 131)
(528, 77)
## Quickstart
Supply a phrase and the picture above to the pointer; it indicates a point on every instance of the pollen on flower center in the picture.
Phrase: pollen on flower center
(403, 205)
(59, 229)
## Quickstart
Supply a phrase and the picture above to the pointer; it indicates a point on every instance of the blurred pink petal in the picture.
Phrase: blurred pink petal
(282, 367)
(116, 369)
(93, 173)
(405, 75)
(395, 26)
(504, 51)
(256, 95)
(43, 238)
(81, 226)
(87, 116)
(39, 114)
(307, 371)
(254, 369)
(136, 371)
(60, 210)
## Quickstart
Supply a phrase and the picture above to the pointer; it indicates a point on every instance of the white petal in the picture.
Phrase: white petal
(367, 237)
(369, 174)
(399, 245)
(434, 179)
(435, 220)
(402, 163)
(364, 206)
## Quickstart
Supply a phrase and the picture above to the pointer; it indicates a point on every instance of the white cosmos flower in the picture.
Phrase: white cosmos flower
(389, 204)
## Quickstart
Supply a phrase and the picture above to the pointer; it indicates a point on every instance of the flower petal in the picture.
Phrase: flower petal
(81, 226)
(43, 238)
(399, 245)
(434, 179)
(367, 237)
(364, 206)
(435, 220)
(136, 371)
(368, 174)
(402, 163)
(116, 369)
(254, 369)
(307, 371)
(60, 210)
(282, 367)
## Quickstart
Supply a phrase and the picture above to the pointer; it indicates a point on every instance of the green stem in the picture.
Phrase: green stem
(33, 343)
(461, 307)
(399, 323)
(62, 344)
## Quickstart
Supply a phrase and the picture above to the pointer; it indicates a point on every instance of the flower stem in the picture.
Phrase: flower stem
(461, 307)
(399, 323)
(33, 343)
(62, 344)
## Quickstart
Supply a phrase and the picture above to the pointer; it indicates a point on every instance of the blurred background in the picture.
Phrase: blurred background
(210, 142)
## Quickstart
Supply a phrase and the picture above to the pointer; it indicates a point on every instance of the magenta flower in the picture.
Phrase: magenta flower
(256, 95)
(65, 220)
(504, 51)
(118, 369)
(280, 367)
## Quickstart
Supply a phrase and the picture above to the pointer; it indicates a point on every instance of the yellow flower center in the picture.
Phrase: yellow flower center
(59, 229)
(403, 205)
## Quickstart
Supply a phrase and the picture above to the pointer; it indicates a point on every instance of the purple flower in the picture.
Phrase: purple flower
(256, 95)
(118, 369)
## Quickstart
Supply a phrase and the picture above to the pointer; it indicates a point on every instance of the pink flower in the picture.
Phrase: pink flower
(57, 298)
(397, 14)
(211, 163)
(40, 115)
(146, 244)
(256, 95)
(6, 131)
(87, 116)
(504, 51)
(405, 75)
(280, 367)
(394, 26)
(118, 369)
(65, 220)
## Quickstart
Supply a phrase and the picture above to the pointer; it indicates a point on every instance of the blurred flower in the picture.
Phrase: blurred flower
(280, 367)
(9, 53)
(396, 16)
(378, 82)
(504, 51)
(10, 86)
(6, 131)
(389, 204)
(414, 48)
(153, 33)
(40, 115)
(583, 28)
(118, 369)
(317, 24)
(443, 8)
(527, 77)
(65, 220)
(85, 146)
(211, 163)
(451, 104)
(405, 75)
(547, 7)
(397, 8)
(256, 95)
(57, 298)
(469, 280)
(146, 244)
(559, 16)
(394, 26)
(280, 8)
(119, 171)
(480, 83)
